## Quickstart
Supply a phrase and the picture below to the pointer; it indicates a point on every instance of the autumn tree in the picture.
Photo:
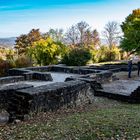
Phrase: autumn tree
(26, 40)
(131, 29)
(87, 38)
(92, 39)
(82, 27)
(81, 34)
(72, 35)
(96, 38)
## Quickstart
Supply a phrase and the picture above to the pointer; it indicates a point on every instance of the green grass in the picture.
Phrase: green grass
(104, 120)
(108, 62)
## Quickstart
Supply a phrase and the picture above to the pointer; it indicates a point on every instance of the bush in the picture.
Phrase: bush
(115, 53)
(95, 56)
(5, 65)
(23, 61)
(105, 54)
(77, 57)
(20, 62)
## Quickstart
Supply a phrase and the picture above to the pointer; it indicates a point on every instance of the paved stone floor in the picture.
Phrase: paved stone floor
(123, 87)
(57, 77)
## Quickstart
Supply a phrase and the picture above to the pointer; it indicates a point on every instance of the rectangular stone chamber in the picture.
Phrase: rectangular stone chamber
(49, 98)
(78, 89)
(44, 73)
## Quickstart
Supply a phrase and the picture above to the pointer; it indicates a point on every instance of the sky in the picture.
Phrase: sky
(20, 16)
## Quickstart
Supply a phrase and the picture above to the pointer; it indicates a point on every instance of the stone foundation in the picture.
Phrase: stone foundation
(21, 99)
(7, 90)
(49, 98)
(11, 79)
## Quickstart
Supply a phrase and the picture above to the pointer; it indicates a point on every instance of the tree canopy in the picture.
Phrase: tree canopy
(46, 51)
(131, 29)
(111, 33)
(26, 40)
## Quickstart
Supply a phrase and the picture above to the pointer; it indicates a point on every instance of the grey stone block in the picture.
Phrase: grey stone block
(11, 79)
(43, 76)
(50, 97)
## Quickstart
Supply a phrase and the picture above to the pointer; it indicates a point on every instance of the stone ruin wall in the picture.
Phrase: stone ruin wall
(21, 99)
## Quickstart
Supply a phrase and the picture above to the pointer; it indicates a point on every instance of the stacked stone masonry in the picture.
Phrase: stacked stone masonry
(21, 99)
(49, 98)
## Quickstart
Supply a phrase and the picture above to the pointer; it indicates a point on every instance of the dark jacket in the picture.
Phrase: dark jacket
(138, 64)
(130, 64)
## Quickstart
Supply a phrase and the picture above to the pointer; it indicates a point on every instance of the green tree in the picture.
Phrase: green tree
(46, 51)
(131, 29)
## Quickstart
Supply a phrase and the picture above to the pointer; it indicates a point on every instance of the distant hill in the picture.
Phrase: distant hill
(7, 42)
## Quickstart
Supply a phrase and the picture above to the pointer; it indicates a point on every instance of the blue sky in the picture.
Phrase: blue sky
(20, 16)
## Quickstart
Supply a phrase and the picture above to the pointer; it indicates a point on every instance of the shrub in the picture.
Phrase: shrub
(115, 53)
(95, 56)
(5, 65)
(77, 57)
(23, 61)
(105, 54)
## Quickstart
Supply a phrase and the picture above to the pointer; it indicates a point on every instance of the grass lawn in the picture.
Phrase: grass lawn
(103, 120)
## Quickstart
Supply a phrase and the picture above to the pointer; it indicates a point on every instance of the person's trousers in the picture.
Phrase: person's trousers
(129, 73)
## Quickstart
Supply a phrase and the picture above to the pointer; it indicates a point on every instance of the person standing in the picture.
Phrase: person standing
(129, 68)
(138, 67)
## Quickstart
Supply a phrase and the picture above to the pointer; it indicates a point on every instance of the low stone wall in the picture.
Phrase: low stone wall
(76, 70)
(31, 75)
(117, 97)
(38, 73)
(40, 69)
(93, 83)
(43, 76)
(20, 100)
(104, 76)
(113, 67)
(53, 68)
(136, 94)
(7, 90)
(11, 79)
(49, 98)
(17, 72)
